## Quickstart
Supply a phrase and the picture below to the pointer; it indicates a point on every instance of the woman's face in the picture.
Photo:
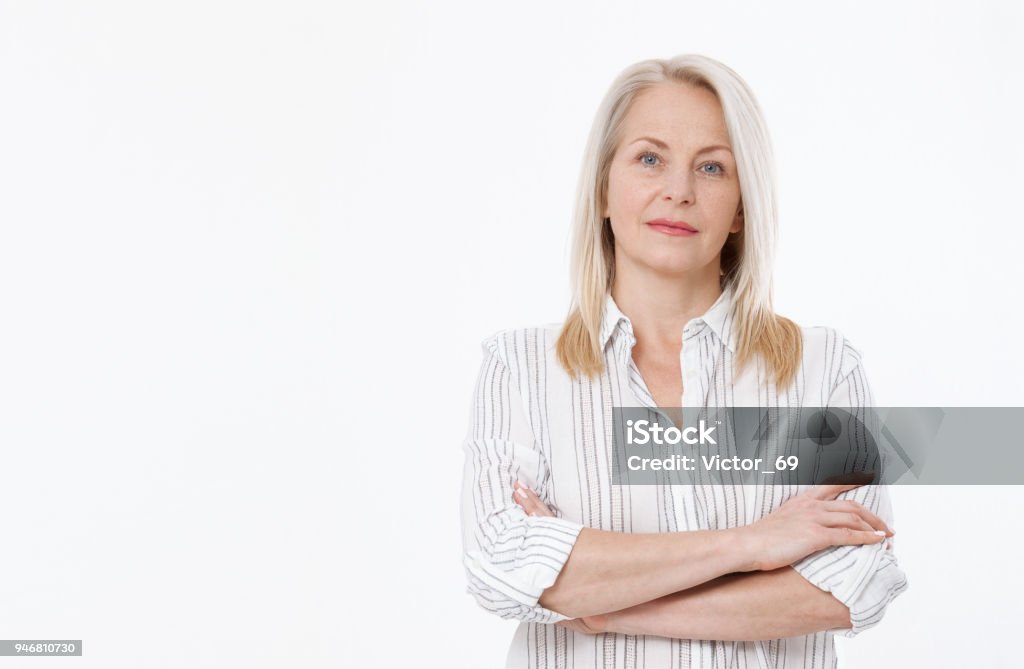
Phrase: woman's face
(673, 192)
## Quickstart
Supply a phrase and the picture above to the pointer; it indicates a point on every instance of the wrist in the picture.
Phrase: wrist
(742, 546)
(599, 622)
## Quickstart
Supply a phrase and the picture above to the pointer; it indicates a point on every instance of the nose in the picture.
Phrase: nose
(678, 186)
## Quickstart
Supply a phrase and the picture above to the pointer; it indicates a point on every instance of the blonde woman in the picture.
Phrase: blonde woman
(674, 232)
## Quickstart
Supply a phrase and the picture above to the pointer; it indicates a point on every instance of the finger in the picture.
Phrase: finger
(854, 506)
(522, 499)
(537, 505)
(845, 519)
(519, 489)
(519, 485)
(530, 500)
(844, 536)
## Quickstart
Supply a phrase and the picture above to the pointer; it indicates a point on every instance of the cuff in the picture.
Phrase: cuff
(516, 578)
(864, 578)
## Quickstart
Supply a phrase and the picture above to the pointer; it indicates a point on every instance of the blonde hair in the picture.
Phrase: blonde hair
(747, 256)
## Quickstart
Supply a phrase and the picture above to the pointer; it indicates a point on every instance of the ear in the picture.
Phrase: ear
(737, 222)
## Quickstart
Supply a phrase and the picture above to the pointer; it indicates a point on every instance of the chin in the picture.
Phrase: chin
(679, 268)
(676, 264)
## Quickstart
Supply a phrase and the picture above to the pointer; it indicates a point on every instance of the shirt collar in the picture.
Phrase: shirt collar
(718, 319)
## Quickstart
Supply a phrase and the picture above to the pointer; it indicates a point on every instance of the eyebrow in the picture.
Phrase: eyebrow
(662, 145)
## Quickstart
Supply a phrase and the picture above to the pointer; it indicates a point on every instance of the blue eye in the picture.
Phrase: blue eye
(714, 174)
(647, 154)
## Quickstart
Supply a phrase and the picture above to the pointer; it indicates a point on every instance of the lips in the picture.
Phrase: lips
(666, 223)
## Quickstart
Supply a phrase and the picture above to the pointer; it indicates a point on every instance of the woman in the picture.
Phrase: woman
(673, 241)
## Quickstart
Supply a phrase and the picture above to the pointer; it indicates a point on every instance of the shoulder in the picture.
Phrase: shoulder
(828, 350)
(517, 348)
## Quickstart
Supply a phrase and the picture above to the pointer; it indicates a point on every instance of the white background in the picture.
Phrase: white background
(248, 252)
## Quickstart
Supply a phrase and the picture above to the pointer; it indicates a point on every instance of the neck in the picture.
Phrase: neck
(660, 305)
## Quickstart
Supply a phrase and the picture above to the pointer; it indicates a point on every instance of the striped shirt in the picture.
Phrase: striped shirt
(531, 421)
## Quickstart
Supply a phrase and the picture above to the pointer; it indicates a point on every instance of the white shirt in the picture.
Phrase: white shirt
(531, 421)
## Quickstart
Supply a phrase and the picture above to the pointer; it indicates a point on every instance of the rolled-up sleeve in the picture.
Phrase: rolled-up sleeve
(865, 578)
(510, 558)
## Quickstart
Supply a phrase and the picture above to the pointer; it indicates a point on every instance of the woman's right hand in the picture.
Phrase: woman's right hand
(809, 522)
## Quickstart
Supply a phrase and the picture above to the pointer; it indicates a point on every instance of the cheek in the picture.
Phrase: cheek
(721, 201)
(726, 191)
(628, 193)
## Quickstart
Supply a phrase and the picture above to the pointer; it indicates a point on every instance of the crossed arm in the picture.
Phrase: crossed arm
(735, 607)
(739, 606)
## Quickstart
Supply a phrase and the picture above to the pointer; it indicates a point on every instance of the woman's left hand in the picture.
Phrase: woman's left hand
(528, 499)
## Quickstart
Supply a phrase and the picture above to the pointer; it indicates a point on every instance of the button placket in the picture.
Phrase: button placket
(635, 379)
(683, 501)
(689, 359)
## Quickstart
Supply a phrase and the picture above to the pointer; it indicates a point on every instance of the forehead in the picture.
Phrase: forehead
(676, 113)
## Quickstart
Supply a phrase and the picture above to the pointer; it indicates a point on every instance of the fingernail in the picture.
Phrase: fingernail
(880, 533)
(519, 493)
